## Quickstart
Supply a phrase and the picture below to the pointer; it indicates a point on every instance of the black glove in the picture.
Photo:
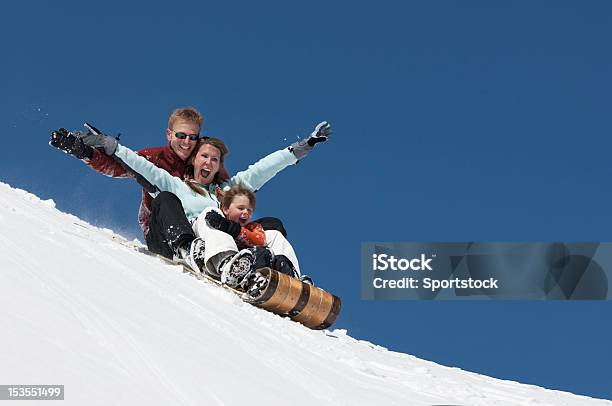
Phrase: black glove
(215, 220)
(70, 143)
(320, 134)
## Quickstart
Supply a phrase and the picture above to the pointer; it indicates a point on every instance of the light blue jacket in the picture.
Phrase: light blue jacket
(254, 177)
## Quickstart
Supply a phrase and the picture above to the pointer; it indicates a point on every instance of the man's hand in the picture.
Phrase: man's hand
(321, 133)
(70, 143)
(217, 221)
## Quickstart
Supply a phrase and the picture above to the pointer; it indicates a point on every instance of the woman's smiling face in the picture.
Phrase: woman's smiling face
(206, 164)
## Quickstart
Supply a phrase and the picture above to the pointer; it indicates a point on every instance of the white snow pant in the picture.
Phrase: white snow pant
(279, 245)
(215, 241)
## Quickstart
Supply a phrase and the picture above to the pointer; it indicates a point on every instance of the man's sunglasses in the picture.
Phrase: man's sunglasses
(182, 136)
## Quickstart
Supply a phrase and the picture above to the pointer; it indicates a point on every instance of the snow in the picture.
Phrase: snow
(83, 309)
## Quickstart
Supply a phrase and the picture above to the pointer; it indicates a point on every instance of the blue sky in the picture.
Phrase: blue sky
(453, 121)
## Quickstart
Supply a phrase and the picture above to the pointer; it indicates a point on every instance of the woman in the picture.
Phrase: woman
(178, 216)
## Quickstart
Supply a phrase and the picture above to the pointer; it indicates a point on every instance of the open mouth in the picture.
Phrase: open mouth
(204, 173)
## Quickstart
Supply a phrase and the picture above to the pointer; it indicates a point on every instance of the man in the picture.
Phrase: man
(182, 134)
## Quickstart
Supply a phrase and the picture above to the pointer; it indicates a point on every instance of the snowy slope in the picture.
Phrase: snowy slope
(118, 327)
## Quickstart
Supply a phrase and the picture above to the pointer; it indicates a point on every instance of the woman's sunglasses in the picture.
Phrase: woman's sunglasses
(182, 136)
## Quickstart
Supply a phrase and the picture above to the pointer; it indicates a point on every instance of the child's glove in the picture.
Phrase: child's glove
(217, 221)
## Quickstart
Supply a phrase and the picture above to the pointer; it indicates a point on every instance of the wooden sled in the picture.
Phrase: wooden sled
(304, 303)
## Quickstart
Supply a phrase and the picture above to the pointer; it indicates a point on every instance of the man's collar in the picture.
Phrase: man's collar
(172, 154)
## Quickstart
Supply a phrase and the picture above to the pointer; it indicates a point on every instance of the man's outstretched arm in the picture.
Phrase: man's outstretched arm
(72, 143)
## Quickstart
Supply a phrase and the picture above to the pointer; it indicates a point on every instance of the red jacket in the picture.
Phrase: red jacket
(162, 157)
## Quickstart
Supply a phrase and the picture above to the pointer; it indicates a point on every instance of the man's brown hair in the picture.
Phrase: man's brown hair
(188, 114)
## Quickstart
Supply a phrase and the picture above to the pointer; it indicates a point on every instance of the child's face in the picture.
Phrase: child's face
(239, 210)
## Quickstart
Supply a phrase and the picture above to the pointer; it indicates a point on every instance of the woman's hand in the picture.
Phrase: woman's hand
(321, 133)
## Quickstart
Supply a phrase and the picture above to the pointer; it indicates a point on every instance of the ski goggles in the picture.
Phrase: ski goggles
(182, 136)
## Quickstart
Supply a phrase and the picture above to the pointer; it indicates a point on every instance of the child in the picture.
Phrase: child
(238, 204)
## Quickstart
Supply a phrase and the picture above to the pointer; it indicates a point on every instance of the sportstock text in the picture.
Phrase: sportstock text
(384, 262)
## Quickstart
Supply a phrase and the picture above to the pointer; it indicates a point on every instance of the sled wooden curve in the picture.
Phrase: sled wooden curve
(304, 303)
